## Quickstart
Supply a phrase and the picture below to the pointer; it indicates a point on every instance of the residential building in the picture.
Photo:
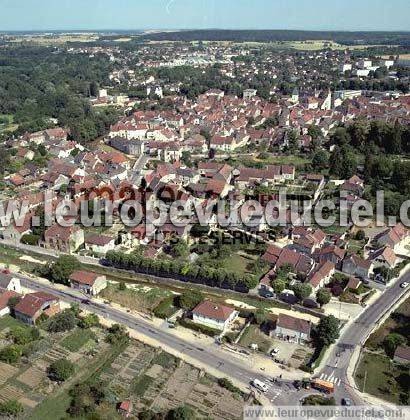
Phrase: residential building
(10, 282)
(64, 239)
(88, 282)
(32, 305)
(99, 244)
(214, 315)
(294, 330)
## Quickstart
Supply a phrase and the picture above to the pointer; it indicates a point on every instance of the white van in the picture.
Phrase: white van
(260, 385)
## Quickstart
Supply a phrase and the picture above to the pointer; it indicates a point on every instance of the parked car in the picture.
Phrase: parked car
(404, 284)
(346, 401)
(259, 385)
(274, 352)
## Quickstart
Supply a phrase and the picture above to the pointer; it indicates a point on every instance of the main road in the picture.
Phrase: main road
(355, 335)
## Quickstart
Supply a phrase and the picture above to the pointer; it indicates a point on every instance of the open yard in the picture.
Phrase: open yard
(383, 378)
(253, 335)
(136, 297)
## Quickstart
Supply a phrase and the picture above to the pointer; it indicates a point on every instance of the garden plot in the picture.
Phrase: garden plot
(299, 357)
(6, 372)
(9, 392)
(54, 354)
(32, 377)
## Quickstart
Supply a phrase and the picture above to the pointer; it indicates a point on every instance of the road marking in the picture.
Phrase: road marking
(322, 376)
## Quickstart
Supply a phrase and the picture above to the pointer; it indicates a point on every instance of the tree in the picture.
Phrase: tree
(117, 334)
(278, 285)
(22, 335)
(391, 342)
(327, 330)
(360, 235)
(302, 290)
(11, 354)
(343, 162)
(122, 286)
(62, 269)
(320, 160)
(323, 296)
(61, 370)
(64, 321)
(179, 248)
(189, 299)
(11, 408)
(181, 413)
(90, 320)
(314, 131)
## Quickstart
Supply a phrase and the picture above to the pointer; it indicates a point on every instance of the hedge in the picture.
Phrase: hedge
(187, 323)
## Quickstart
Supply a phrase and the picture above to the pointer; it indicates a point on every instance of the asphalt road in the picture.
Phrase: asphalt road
(355, 335)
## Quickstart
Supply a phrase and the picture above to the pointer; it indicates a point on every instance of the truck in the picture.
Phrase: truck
(324, 386)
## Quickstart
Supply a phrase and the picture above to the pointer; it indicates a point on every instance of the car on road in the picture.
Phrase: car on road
(404, 284)
(261, 386)
(85, 301)
(346, 401)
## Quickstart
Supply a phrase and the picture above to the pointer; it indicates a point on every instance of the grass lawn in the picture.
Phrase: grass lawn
(238, 264)
(253, 335)
(77, 339)
(53, 408)
(384, 379)
(9, 322)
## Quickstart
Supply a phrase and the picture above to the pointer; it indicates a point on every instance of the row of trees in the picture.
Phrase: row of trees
(214, 277)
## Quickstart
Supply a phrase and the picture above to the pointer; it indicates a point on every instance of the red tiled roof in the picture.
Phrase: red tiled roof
(84, 277)
(5, 296)
(294, 324)
(31, 303)
(212, 310)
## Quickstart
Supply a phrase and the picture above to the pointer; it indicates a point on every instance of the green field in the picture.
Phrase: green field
(384, 379)
(77, 339)
(8, 322)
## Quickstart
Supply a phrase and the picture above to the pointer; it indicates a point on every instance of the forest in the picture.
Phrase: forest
(346, 38)
(41, 83)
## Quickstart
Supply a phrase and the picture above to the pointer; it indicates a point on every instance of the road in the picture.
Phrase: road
(208, 356)
(355, 335)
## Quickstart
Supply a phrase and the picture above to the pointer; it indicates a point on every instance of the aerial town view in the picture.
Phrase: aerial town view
(204, 209)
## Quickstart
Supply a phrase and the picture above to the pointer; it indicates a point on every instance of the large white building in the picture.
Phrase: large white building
(213, 315)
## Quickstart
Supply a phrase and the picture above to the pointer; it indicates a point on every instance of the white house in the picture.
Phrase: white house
(99, 244)
(214, 315)
(9, 282)
(294, 330)
(88, 282)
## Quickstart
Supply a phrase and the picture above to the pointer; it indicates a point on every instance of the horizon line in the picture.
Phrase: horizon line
(99, 30)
